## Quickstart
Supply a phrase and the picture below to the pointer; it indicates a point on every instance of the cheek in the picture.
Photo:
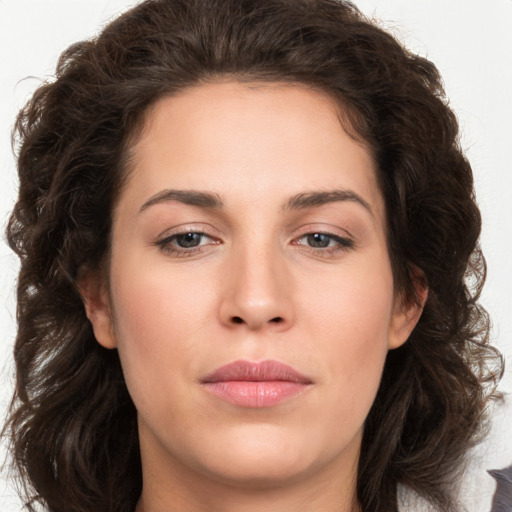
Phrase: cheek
(351, 321)
(158, 304)
(158, 320)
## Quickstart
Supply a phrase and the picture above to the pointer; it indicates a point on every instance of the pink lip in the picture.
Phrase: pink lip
(255, 384)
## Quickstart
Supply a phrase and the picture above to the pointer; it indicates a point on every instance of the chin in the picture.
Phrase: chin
(263, 460)
(260, 473)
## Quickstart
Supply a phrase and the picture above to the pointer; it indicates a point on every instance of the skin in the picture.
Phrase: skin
(254, 289)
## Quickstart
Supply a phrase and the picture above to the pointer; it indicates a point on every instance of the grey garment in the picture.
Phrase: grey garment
(502, 501)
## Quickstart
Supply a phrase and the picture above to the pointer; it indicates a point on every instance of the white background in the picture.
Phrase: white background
(471, 43)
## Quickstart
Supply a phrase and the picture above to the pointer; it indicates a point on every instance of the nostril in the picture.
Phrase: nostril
(238, 320)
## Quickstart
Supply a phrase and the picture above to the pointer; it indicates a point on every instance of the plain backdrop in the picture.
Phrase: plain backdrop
(471, 43)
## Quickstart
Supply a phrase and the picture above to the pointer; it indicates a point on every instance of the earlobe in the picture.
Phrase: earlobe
(406, 315)
(94, 292)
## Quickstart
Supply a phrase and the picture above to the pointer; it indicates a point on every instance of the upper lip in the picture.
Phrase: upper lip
(268, 370)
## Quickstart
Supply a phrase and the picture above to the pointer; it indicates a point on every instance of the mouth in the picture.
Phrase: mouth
(256, 385)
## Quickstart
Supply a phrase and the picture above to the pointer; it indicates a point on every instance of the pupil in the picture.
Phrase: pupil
(188, 240)
(318, 240)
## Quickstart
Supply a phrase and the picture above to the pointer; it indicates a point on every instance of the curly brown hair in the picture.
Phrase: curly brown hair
(72, 424)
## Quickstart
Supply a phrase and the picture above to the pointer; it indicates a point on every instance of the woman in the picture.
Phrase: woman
(245, 230)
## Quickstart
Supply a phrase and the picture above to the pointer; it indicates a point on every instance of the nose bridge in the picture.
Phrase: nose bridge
(258, 290)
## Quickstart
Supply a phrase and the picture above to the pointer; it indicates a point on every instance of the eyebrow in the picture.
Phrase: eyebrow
(319, 198)
(190, 197)
(299, 201)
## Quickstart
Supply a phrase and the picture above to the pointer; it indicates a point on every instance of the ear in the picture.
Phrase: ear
(407, 312)
(94, 291)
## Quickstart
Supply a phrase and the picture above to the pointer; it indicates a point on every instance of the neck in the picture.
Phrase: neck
(249, 502)
(325, 492)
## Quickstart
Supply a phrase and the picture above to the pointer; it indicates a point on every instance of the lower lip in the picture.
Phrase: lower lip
(255, 394)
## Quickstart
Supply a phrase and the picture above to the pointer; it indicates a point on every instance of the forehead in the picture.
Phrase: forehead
(250, 140)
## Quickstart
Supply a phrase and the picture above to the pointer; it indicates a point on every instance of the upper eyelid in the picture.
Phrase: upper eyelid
(213, 233)
(167, 244)
(342, 241)
(187, 228)
(183, 233)
(333, 236)
(172, 236)
(324, 229)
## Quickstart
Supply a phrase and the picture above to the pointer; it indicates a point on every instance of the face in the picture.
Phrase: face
(250, 293)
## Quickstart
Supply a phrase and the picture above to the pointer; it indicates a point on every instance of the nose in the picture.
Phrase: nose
(257, 291)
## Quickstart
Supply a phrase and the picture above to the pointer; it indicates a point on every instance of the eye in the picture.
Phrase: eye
(325, 242)
(319, 240)
(185, 243)
(188, 240)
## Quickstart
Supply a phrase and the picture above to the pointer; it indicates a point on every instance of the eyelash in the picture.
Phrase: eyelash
(341, 244)
(166, 243)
